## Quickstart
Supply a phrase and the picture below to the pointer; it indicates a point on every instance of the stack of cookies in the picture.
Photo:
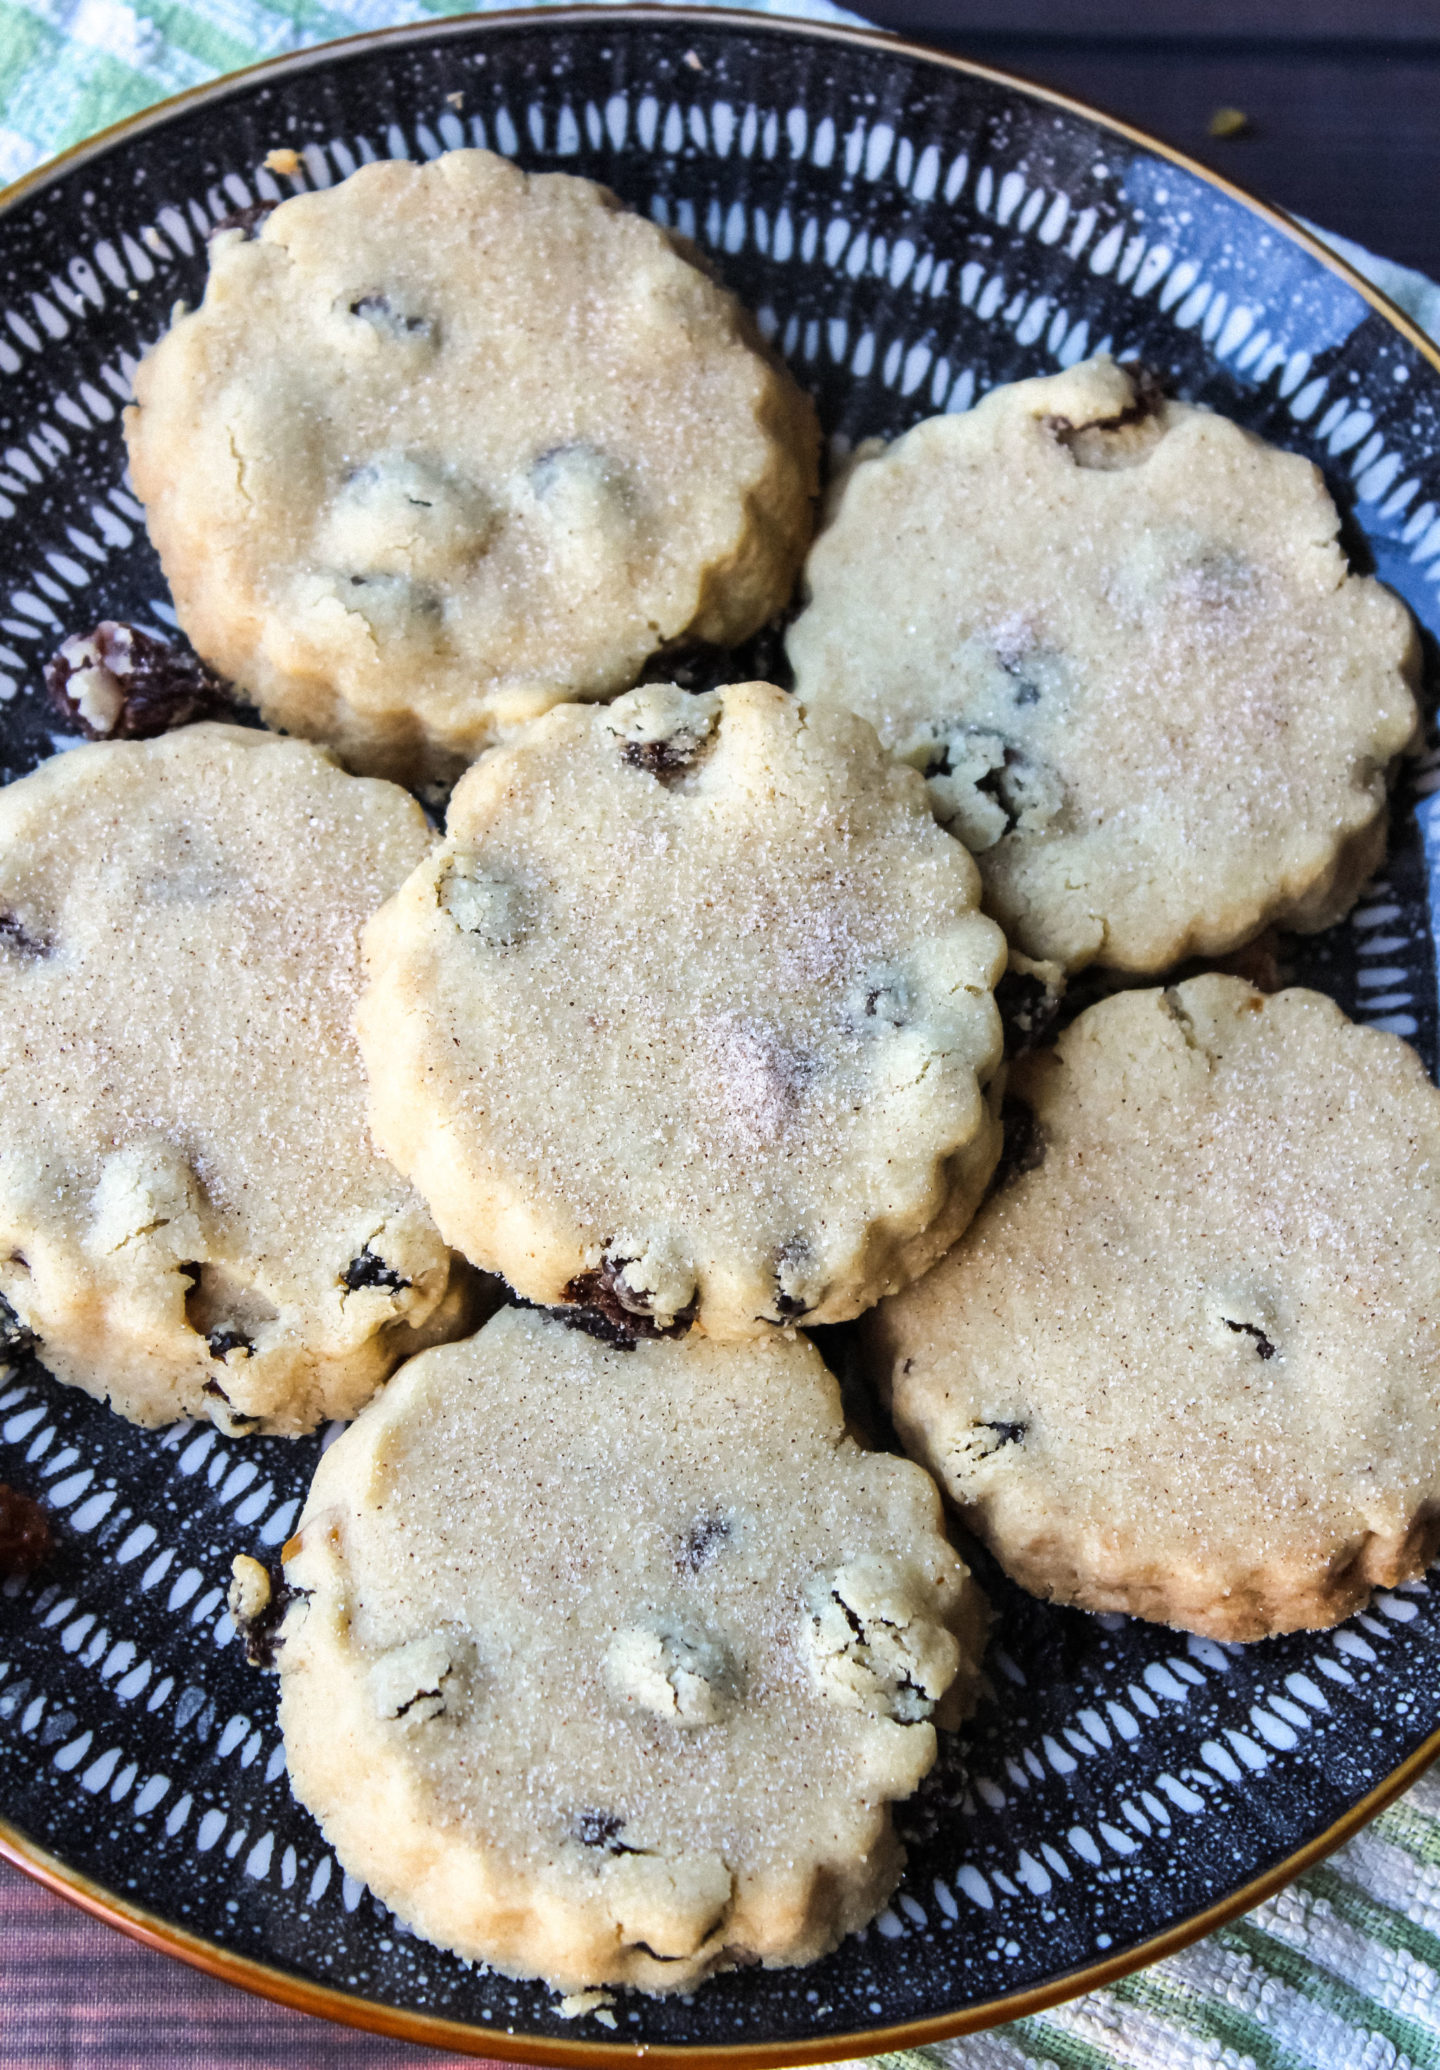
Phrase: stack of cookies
(604, 1645)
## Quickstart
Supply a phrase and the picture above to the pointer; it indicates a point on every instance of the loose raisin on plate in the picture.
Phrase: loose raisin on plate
(118, 683)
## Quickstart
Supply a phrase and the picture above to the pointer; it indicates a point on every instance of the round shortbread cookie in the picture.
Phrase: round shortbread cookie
(445, 445)
(1118, 636)
(690, 1017)
(608, 1663)
(193, 1220)
(1186, 1361)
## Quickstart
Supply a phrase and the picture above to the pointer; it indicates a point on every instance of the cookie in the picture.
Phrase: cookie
(689, 1018)
(193, 1220)
(1118, 636)
(445, 445)
(1185, 1364)
(606, 1664)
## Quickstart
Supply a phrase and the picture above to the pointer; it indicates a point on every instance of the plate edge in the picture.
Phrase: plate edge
(345, 2008)
(324, 2001)
(642, 11)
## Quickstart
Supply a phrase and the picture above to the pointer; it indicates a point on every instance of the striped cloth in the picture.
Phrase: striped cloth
(70, 67)
(1337, 1973)
(1341, 1971)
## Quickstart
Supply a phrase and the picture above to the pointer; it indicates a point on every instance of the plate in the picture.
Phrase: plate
(909, 230)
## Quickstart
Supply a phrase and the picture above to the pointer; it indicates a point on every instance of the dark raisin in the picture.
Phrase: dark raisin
(888, 1003)
(789, 1307)
(370, 1270)
(702, 1543)
(133, 685)
(594, 1323)
(14, 934)
(226, 1338)
(372, 307)
(665, 759)
(260, 1634)
(589, 1321)
(26, 1540)
(1014, 659)
(1263, 1346)
(1027, 1008)
(617, 1315)
(16, 1340)
(1025, 1142)
(600, 1829)
(246, 219)
(1006, 1433)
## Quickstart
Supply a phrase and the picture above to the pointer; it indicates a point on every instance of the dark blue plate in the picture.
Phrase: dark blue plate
(910, 231)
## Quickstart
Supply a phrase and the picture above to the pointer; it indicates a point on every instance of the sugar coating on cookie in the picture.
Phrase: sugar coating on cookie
(193, 1219)
(1186, 1361)
(690, 1016)
(609, 1663)
(1118, 636)
(445, 444)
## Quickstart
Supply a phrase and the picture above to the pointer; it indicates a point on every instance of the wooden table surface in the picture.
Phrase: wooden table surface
(1343, 108)
(1342, 96)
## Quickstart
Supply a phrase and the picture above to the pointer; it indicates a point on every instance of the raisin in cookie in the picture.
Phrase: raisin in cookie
(622, 1693)
(445, 444)
(690, 1017)
(1186, 1361)
(1118, 636)
(193, 1221)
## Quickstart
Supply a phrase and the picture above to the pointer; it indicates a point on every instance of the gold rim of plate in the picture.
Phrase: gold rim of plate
(343, 2007)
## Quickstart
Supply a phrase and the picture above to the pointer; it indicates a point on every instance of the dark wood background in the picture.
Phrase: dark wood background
(1343, 96)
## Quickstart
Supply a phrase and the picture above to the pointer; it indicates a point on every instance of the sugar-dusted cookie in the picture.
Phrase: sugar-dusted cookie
(193, 1220)
(445, 444)
(608, 1663)
(1186, 1361)
(1118, 636)
(690, 1017)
